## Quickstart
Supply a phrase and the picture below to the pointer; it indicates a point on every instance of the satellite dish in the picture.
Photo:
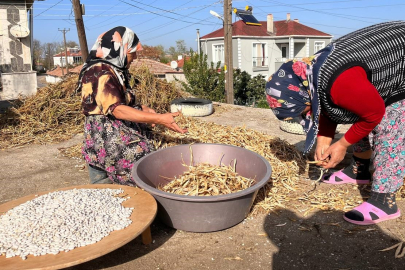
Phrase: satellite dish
(19, 31)
(173, 64)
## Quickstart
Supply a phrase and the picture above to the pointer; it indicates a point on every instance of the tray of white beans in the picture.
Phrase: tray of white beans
(68, 226)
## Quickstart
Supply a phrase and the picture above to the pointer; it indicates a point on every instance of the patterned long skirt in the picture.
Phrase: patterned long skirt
(115, 145)
(387, 141)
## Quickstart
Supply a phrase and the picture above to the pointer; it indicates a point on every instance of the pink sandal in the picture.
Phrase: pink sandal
(367, 210)
(339, 178)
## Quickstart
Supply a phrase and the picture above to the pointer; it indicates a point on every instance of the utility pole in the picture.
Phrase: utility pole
(61, 62)
(79, 11)
(64, 41)
(228, 51)
(198, 41)
(49, 56)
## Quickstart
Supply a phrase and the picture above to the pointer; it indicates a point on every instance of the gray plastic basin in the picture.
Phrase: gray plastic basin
(201, 213)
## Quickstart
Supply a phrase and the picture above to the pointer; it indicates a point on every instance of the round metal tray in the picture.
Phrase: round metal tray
(144, 212)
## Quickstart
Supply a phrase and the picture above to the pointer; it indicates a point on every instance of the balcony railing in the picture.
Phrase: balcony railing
(260, 62)
(286, 59)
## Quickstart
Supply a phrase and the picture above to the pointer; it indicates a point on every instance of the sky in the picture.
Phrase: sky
(163, 22)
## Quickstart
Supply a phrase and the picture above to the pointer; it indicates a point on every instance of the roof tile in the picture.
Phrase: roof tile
(282, 28)
(154, 66)
(57, 72)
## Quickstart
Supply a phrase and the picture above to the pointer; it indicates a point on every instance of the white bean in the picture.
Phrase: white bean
(62, 220)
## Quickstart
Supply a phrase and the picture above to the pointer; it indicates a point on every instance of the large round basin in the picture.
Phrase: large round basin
(201, 213)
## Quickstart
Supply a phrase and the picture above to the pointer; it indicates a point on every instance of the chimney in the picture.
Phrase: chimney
(296, 20)
(270, 23)
(288, 16)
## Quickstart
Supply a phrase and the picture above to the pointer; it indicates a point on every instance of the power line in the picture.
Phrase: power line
(169, 11)
(167, 24)
(102, 12)
(326, 2)
(323, 9)
(48, 9)
(105, 10)
(323, 12)
(100, 26)
(176, 30)
(162, 14)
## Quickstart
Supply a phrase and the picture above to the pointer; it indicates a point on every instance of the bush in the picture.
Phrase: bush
(240, 83)
(203, 80)
(207, 81)
(263, 104)
(256, 88)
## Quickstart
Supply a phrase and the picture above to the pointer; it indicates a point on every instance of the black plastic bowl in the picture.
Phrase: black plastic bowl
(201, 213)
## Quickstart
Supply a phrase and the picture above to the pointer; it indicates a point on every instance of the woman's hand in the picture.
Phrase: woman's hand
(322, 143)
(167, 120)
(336, 153)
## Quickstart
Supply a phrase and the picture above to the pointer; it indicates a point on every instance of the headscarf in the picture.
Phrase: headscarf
(111, 47)
(290, 90)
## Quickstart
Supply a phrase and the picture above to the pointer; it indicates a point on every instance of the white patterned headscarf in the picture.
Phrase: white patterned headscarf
(111, 47)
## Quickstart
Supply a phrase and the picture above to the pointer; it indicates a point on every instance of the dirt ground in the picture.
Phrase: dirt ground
(282, 240)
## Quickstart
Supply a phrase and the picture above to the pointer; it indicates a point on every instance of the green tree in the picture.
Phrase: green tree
(37, 52)
(204, 80)
(173, 53)
(240, 82)
(70, 44)
(255, 89)
(181, 46)
(208, 81)
(162, 54)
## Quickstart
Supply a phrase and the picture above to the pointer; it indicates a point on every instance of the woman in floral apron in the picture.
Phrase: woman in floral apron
(115, 129)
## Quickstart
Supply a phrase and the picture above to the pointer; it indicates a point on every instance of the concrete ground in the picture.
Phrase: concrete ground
(282, 240)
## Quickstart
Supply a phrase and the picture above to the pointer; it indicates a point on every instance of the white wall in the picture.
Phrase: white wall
(15, 54)
(18, 83)
(57, 62)
(52, 79)
(246, 56)
(17, 77)
(171, 77)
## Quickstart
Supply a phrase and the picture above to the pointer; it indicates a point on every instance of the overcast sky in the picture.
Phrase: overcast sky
(162, 22)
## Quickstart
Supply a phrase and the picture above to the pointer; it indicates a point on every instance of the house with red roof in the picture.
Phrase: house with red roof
(74, 57)
(160, 70)
(261, 49)
(56, 75)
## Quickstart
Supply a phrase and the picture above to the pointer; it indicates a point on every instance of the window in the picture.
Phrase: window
(218, 53)
(259, 55)
(284, 51)
(318, 45)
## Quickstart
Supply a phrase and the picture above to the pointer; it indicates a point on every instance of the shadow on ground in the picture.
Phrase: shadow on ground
(326, 239)
(131, 251)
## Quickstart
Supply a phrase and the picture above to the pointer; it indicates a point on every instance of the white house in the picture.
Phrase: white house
(74, 56)
(261, 49)
(17, 76)
(56, 75)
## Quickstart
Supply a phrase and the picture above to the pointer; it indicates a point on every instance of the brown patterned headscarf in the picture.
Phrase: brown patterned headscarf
(111, 47)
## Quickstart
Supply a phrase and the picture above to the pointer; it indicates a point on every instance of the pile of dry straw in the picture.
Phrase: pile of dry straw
(54, 114)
